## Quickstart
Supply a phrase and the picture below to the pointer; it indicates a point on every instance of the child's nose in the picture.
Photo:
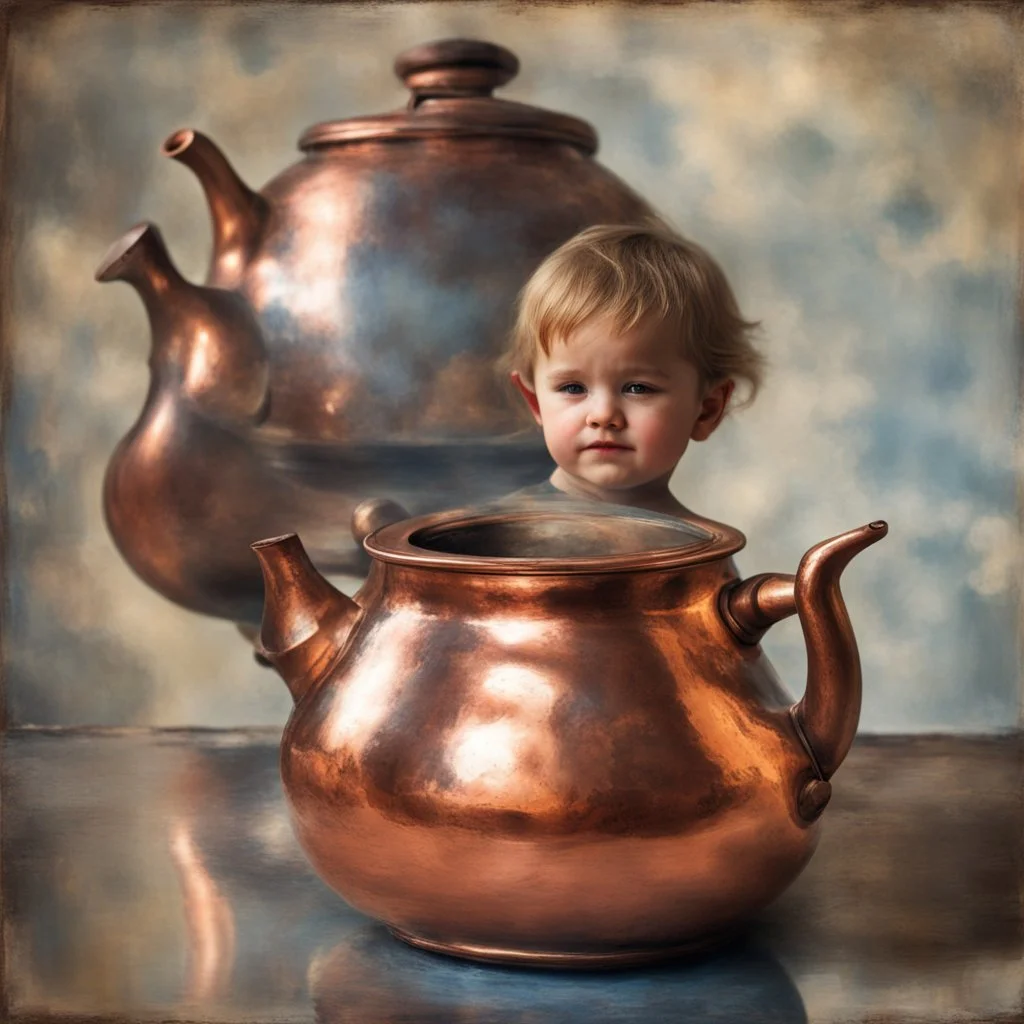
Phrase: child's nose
(605, 412)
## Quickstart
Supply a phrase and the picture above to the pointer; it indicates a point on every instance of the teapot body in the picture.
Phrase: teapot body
(381, 272)
(561, 770)
(386, 275)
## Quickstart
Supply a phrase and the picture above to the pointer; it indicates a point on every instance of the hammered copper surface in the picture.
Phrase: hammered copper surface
(555, 703)
(154, 876)
(381, 272)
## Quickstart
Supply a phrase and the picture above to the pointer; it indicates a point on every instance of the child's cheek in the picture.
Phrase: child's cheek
(566, 434)
(653, 435)
(558, 430)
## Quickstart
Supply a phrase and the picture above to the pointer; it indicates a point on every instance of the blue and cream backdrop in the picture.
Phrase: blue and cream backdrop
(855, 170)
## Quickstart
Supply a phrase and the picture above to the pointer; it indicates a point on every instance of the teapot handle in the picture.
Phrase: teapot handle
(826, 716)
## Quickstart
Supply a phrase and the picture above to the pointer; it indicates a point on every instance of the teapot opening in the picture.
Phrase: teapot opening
(559, 536)
(178, 142)
(116, 256)
(574, 538)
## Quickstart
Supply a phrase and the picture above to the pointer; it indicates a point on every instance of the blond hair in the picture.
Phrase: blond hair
(629, 271)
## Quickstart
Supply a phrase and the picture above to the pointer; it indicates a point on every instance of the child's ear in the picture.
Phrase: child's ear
(528, 393)
(712, 409)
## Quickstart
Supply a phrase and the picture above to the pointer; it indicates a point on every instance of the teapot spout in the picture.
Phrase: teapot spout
(305, 620)
(238, 212)
(206, 342)
(140, 258)
(829, 711)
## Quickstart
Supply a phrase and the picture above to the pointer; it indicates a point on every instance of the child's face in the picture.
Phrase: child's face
(618, 409)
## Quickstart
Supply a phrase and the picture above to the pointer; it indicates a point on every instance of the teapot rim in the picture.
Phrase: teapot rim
(395, 543)
(453, 119)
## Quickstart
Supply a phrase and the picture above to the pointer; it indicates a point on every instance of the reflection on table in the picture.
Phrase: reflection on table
(156, 875)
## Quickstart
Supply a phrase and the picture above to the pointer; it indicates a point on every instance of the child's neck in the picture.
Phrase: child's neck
(653, 496)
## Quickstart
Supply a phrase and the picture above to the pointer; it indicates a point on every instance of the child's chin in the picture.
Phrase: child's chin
(611, 482)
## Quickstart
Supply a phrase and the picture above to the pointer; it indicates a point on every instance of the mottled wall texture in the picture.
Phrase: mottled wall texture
(855, 171)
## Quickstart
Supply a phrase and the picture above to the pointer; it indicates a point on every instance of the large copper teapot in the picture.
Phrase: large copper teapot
(379, 274)
(550, 736)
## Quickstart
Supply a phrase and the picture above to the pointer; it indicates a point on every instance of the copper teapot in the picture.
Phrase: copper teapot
(379, 274)
(549, 735)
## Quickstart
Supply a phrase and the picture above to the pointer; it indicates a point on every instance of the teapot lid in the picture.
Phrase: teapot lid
(451, 81)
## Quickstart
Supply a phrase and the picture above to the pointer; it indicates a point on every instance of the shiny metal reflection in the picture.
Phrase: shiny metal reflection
(369, 979)
(542, 738)
(94, 912)
(209, 918)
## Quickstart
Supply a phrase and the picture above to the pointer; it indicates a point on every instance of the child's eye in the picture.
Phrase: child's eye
(636, 388)
(571, 388)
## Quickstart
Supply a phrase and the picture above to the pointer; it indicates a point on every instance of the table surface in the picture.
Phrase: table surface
(153, 876)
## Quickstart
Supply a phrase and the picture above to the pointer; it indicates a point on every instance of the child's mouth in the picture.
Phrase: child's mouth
(607, 446)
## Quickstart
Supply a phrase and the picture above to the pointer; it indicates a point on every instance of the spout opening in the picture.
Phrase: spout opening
(176, 143)
(878, 524)
(117, 256)
(270, 542)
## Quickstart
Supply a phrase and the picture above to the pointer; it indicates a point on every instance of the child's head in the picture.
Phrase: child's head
(627, 345)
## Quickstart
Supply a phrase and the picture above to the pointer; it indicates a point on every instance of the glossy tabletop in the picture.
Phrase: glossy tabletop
(153, 876)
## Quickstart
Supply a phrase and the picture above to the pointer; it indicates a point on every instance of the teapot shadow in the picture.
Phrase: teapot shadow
(372, 978)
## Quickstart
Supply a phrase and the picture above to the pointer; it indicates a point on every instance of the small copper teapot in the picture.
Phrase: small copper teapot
(549, 735)
(345, 343)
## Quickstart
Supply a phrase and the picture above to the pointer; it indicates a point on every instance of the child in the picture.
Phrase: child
(628, 344)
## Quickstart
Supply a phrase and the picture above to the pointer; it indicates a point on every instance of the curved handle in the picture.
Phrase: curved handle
(751, 607)
(829, 710)
(826, 717)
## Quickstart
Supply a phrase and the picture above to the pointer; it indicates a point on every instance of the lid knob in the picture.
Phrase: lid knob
(455, 67)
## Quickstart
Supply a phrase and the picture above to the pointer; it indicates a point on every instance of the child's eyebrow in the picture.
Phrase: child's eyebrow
(560, 374)
(629, 371)
(645, 371)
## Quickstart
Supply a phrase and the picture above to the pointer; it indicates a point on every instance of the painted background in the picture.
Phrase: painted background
(855, 171)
